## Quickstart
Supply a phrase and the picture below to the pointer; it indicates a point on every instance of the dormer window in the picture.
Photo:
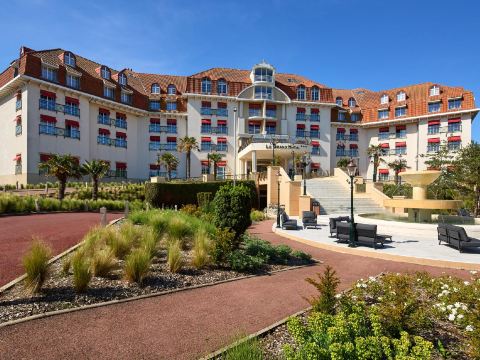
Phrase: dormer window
(339, 101)
(401, 96)
(222, 87)
(315, 94)
(301, 92)
(155, 88)
(352, 102)
(69, 59)
(435, 90)
(122, 79)
(384, 99)
(206, 86)
(105, 72)
(263, 74)
(171, 90)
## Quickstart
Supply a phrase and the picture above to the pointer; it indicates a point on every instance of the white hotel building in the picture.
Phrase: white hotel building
(57, 102)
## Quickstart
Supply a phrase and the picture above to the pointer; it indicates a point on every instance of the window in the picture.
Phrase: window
(382, 114)
(72, 129)
(454, 143)
(433, 145)
(171, 106)
(206, 144)
(314, 131)
(341, 116)
(339, 101)
(221, 170)
(69, 59)
(171, 143)
(454, 104)
(108, 92)
(384, 99)
(49, 74)
(400, 148)
(401, 111)
(355, 117)
(300, 130)
(171, 90)
(315, 94)
(206, 127)
(172, 126)
(454, 125)
(434, 107)
(301, 92)
(263, 92)
(105, 72)
(122, 79)
(253, 127)
(206, 86)
(126, 98)
(435, 90)
(352, 102)
(384, 133)
(71, 106)
(315, 148)
(433, 127)
(222, 127)
(263, 74)
(73, 81)
(155, 88)
(205, 167)
(271, 128)
(154, 105)
(222, 144)
(47, 125)
(47, 100)
(121, 121)
(222, 87)
(401, 96)
(121, 139)
(383, 175)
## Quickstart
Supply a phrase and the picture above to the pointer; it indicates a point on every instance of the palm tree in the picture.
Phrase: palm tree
(397, 166)
(186, 145)
(170, 162)
(215, 158)
(375, 152)
(62, 167)
(96, 169)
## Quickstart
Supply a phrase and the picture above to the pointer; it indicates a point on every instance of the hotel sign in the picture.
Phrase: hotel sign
(287, 146)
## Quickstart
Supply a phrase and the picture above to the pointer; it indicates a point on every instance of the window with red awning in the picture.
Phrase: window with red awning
(315, 143)
(205, 162)
(383, 171)
(400, 144)
(69, 100)
(314, 165)
(154, 167)
(222, 105)
(314, 111)
(121, 135)
(171, 121)
(401, 127)
(300, 110)
(353, 131)
(384, 129)
(385, 146)
(72, 123)
(154, 121)
(221, 122)
(171, 139)
(49, 119)
(121, 165)
(314, 127)
(433, 140)
(454, 138)
(206, 104)
(454, 121)
(206, 121)
(340, 130)
(45, 157)
(353, 146)
(221, 163)
(221, 140)
(48, 94)
(300, 126)
(102, 131)
(121, 116)
(206, 139)
(434, 122)
(154, 138)
(104, 111)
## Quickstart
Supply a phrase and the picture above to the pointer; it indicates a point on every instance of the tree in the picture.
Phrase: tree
(343, 162)
(375, 152)
(215, 158)
(170, 162)
(467, 170)
(96, 169)
(186, 145)
(444, 187)
(62, 167)
(397, 166)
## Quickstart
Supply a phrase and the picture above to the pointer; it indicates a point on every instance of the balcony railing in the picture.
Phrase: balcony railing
(157, 146)
(263, 78)
(453, 146)
(306, 133)
(433, 148)
(52, 106)
(433, 130)
(208, 129)
(347, 137)
(72, 133)
(156, 128)
(315, 150)
(18, 130)
(104, 140)
(121, 143)
(271, 113)
(454, 128)
(18, 105)
(18, 169)
(383, 136)
(301, 117)
(254, 112)
(221, 147)
(347, 152)
(121, 123)
(206, 147)
(120, 173)
(210, 111)
(304, 117)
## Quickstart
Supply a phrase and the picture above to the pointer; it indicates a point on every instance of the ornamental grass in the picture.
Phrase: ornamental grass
(103, 262)
(137, 265)
(82, 272)
(201, 250)
(35, 263)
(174, 256)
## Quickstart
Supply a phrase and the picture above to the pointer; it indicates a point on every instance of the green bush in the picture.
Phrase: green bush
(247, 350)
(137, 265)
(257, 215)
(174, 256)
(149, 241)
(232, 206)
(259, 248)
(103, 262)
(241, 262)
(300, 255)
(35, 263)
(82, 273)
(282, 254)
(398, 190)
(327, 290)
(201, 249)
(222, 246)
(66, 265)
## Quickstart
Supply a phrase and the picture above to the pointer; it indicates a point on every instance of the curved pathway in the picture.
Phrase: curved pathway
(59, 230)
(187, 324)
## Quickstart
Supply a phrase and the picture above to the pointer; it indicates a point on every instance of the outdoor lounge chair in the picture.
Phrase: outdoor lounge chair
(367, 234)
(456, 236)
(287, 223)
(343, 231)
(333, 223)
(309, 218)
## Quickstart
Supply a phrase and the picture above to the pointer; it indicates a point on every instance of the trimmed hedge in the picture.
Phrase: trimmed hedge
(175, 193)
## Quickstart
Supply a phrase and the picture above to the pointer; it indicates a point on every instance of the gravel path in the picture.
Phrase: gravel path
(188, 324)
(61, 231)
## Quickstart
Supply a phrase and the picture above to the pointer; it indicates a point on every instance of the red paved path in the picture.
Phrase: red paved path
(61, 231)
(186, 324)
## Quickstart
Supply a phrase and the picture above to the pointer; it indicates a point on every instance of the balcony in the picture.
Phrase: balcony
(119, 173)
(432, 130)
(208, 129)
(156, 128)
(301, 117)
(210, 111)
(157, 146)
(104, 140)
(18, 105)
(347, 137)
(263, 78)
(271, 113)
(454, 128)
(52, 106)
(72, 133)
(315, 150)
(18, 130)
(347, 152)
(18, 169)
(105, 120)
(221, 147)
(121, 143)
(121, 123)
(307, 134)
(305, 117)
(433, 148)
(254, 112)
(383, 136)
(206, 147)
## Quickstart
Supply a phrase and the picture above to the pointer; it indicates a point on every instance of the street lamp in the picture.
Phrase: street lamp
(351, 170)
(158, 163)
(305, 161)
(278, 199)
(235, 145)
(273, 142)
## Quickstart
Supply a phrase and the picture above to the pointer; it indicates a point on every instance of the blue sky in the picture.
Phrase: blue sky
(375, 44)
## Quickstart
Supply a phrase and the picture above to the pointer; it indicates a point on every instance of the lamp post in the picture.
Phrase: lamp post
(273, 142)
(235, 145)
(293, 165)
(351, 169)
(305, 161)
(278, 199)
(158, 163)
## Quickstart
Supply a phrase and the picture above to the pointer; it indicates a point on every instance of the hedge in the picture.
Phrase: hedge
(169, 194)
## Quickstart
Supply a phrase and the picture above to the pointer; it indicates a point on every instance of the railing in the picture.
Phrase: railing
(104, 140)
(222, 147)
(315, 150)
(117, 174)
(121, 123)
(347, 152)
(433, 148)
(172, 129)
(383, 136)
(208, 129)
(454, 128)
(254, 112)
(304, 117)
(18, 105)
(157, 146)
(306, 133)
(206, 147)
(52, 106)
(210, 111)
(263, 78)
(18, 130)
(72, 133)
(18, 169)
(105, 120)
(349, 137)
(453, 146)
(121, 143)
(301, 117)
(433, 130)
(271, 113)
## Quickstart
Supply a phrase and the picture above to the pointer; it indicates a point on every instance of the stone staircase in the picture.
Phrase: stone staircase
(334, 198)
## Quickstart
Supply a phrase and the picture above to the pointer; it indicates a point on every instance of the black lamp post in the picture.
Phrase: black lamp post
(305, 162)
(294, 172)
(158, 163)
(351, 169)
(278, 199)
(273, 142)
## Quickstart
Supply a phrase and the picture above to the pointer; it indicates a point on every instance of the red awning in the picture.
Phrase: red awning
(400, 144)
(401, 127)
(204, 162)
(300, 126)
(314, 111)
(121, 116)
(121, 165)
(314, 127)
(221, 140)
(71, 100)
(300, 110)
(154, 167)
(434, 122)
(206, 104)
(385, 146)
(222, 105)
(315, 143)
(49, 119)
(314, 165)
(353, 146)
(453, 121)
(171, 121)
(434, 140)
(102, 131)
(45, 157)
(120, 135)
(271, 123)
(154, 121)
(206, 121)
(72, 123)
(206, 138)
(172, 139)
(254, 106)
(454, 138)
(104, 111)
(340, 130)
(221, 122)
(383, 171)
(154, 138)
(48, 94)
(254, 123)
(384, 129)
(353, 131)
(18, 157)
(271, 107)
(222, 163)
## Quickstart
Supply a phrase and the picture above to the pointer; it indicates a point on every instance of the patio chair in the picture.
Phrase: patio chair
(287, 223)
(333, 223)
(456, 236)
(367, 234)
(309, 218)
(343, 231)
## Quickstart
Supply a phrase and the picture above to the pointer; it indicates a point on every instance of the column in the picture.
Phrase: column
(254, 161)
(245, 169)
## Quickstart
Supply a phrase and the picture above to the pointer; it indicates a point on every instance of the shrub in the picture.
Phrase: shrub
(222, 246)
(247, 350)
(66, 265)
(232, 206)
(300, 255)
(137, 265)
(103, 262)
(179, 229)
(174, 256)
(241, 262)
(204, 199)
(82, 273)
(282, 254)
(126, 239)
(327, 288)
(201, 250)
(191, 209)
(257, 215)
(259, 248)
(35, 263)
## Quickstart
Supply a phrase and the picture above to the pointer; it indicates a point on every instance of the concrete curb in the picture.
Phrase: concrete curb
(140, 297)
